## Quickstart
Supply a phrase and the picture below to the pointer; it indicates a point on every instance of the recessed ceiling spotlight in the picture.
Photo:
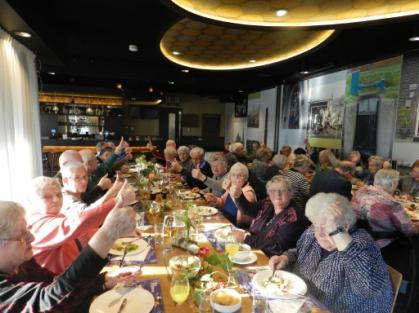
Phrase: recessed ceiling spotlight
(281, 12)
(51, 73)
(161, 93)
(133, 48)
(252, 61)
(304, 72)
(23, 34)
(185, 70)
(119, 86)
(414, 38)
(241, 91)
(175, 52)
(171, 83)
(150, 89)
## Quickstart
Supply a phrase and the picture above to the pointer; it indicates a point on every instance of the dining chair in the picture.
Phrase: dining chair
(396, 280)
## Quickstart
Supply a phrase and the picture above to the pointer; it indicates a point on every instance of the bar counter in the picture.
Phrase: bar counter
(59, 149)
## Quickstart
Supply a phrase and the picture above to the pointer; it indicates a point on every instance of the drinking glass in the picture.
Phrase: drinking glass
(141, 221)
(158, 233)
(179, 289)
(259, 303)
(231, 246)
(205, 305)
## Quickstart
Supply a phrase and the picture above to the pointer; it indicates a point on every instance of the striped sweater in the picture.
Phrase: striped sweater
(351, 281)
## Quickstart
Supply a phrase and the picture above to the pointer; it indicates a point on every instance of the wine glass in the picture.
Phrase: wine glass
(179, 289)
(231, 246)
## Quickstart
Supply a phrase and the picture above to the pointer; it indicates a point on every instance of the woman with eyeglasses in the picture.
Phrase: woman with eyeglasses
(341, 264)
(25, 287)
(277, 223)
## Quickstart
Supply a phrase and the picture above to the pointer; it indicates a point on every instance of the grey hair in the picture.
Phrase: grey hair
(69, 168)
(39, 183)
(320, 205)
(235, 145)
(200, 151)
(280, 179)
(183, 148)
(280, 160)
(301, 161)
(68, 156)
(386, 179)
(262, 153)
(170, 151)
(218, 157)
(240, 168)
(87, 155)
(379, 160)
(10, 212)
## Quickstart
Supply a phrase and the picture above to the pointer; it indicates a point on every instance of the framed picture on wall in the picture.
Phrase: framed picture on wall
(417, 122)
(240, 107)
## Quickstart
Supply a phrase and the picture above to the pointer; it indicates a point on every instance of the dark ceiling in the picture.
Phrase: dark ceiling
(85, 42)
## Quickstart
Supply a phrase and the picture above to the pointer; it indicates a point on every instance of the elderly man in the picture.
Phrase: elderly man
(219, 168)
(279, 162)
(75, 180)
(409, 184)
(198, 162)
(27, 288)
(98, 177)
(237, 154)
(375, 163)
(184, 157)
(261, 163)
(337, 180)
(170, 143)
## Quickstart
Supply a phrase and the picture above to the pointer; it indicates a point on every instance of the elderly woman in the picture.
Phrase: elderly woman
(300, 185)
(238, 179)
(277, 222)
(25, 287)
(341, 264)
(279, 162)
(56, 242)
(409, 184)
(219, 169)
(376, 205)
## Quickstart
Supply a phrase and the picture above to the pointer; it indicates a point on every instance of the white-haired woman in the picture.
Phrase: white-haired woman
(57, 235)
(237, 178)
(25, 287)
(277, 222)
(341, 264)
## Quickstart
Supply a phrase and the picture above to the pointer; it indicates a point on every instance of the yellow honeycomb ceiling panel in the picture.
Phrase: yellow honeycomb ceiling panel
(299, 12)
(215, 47)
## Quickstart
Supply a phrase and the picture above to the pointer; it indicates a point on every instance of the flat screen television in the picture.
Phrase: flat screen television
(138, 112)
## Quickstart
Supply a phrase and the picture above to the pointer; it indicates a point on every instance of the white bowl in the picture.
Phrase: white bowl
(229, 294)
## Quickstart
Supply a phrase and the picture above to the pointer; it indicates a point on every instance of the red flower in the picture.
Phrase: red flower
(203, 252)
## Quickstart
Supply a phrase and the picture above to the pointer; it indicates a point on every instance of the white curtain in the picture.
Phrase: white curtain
(20, 141)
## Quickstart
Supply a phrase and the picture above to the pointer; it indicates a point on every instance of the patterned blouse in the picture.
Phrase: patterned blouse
(350, 281)
(383, 213)
(270, 232)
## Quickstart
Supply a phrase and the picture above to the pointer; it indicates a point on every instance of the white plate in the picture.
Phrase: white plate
(139, 300)
(297, 287)
(206, 210)
(141, 243)
(122, 270)
(188, 195)
(251, 259)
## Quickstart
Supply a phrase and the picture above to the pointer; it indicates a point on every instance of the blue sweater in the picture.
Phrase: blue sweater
(351, 281)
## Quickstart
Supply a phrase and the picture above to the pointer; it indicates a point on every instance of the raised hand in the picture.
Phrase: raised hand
(122, 145)
(226, 183)
(196, 173)
(126, 196)
(235, 191)
(119, 222)
(210, 197)
(105, 183)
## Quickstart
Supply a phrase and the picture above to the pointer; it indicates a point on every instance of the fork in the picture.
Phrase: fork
(272, 276)
(123, 256)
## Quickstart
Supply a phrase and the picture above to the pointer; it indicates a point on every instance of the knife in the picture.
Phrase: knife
(122, 306)
(123, 256)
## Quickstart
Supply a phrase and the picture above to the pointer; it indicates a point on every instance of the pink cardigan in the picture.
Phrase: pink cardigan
(55, 247)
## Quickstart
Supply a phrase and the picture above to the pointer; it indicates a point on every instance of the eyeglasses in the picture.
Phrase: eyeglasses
(278, 191)
(24, 238)
(77, 179)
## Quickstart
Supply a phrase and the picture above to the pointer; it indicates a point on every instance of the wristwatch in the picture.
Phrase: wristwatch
(338, 230)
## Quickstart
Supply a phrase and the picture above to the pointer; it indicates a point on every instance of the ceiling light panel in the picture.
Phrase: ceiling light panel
(213, 47)
(299, 12)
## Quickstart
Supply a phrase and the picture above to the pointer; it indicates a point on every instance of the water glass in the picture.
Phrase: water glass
(158, 233)
(205, 305)
(259, 303)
